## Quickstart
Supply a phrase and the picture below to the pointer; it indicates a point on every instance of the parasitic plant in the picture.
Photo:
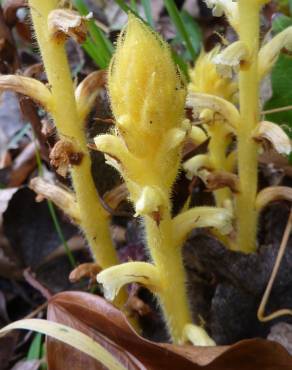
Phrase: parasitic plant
(69, 108)
(69, 120)
(148, 97)
(214, 101)
(206, 79)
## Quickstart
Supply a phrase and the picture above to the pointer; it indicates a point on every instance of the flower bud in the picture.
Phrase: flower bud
(146, 91)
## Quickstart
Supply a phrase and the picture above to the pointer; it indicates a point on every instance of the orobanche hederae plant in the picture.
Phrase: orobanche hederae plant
(148, 98)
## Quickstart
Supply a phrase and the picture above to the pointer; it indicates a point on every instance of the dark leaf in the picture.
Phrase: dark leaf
(108, 326)
(30, 229)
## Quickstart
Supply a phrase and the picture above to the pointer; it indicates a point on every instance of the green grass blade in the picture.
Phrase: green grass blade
(98, 46)
(14, 141)
(91, 50)
(126, 8)
(59, 231)
(194, 31)
(179, 24)
(148, 11)
(35, 349)
(134, 5)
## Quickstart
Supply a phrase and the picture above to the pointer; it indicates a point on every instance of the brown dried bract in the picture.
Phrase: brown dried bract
(88, 90)
(271, 135)
(156, 216)
(135, 304)
(64, 23)
(85, 270)
(116, 196)
(220, 179)
(63, 154)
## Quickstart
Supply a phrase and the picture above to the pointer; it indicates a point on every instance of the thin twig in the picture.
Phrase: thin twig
(35, 312)
(261, 310)
(30, 278)
(277, 110)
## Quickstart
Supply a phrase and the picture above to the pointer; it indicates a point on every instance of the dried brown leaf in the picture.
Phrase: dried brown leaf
(64, 23)
(23, 166)
(8, 54)
(109, 327)
(10, 8)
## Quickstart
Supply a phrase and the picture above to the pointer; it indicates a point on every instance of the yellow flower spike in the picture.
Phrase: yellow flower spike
(114, 278)
(269, 53)
(218, 105)
(198, 336)
(146, 95)
(148, 99)
(206, 79)
(231, 59)
(35, 89)
(219, 218)
(95, 221)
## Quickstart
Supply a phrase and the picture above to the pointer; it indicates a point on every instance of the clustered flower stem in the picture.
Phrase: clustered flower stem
(246, 214)
(94, 220)
(166, 255)
(217, 154)
(148, 100)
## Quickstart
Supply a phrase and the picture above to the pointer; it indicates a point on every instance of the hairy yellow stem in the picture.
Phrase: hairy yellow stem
(217, 154)
(94, 220)
(167, 257)
(249, 110)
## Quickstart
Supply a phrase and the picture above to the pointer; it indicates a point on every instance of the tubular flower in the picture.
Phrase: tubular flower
(213, 96)
(206, 79)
